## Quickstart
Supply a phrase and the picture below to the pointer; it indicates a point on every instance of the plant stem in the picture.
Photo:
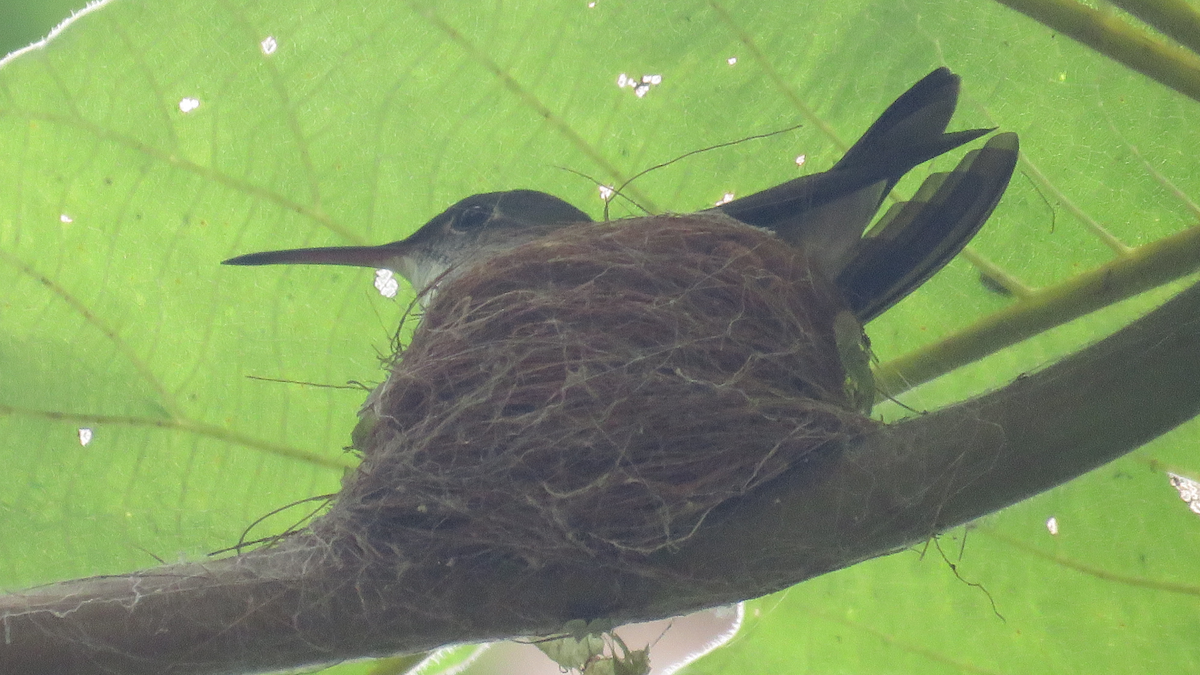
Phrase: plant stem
(1141, 269)
(1172, 66)
(1175, 18)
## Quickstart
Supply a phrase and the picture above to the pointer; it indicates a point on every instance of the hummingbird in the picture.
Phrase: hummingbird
(825, 213)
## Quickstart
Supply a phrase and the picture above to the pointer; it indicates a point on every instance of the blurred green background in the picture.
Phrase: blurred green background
(358, 123)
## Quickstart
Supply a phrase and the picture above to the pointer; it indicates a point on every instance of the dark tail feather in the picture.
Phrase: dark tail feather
(917, 238)
(827, 212)
(911, 131)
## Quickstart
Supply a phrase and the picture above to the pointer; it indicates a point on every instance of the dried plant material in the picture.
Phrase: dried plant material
(593, 648)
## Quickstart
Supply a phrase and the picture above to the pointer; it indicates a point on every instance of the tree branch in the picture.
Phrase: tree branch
(300, 604)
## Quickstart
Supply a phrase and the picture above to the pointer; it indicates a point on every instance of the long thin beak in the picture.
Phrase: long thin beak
(386, 256)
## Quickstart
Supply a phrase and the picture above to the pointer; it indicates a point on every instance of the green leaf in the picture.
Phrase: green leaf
(322, 124)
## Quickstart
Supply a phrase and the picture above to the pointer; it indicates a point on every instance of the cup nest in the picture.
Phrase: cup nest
(594, 395)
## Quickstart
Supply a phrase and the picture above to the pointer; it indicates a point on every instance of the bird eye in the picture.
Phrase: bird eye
(472, 218)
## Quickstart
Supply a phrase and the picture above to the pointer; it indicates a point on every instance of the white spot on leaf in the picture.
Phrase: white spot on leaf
(641, 86)
(85, 436)
(1052, 525)
(187, 105)
(386, 283)
(1188, 489)
(268, 45)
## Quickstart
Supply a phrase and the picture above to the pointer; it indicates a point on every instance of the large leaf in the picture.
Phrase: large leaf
(319, 123)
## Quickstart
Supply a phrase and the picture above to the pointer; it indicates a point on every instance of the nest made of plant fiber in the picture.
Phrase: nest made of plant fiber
(596, 393)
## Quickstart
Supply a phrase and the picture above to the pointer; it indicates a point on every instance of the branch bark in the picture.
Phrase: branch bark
(299, 604)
